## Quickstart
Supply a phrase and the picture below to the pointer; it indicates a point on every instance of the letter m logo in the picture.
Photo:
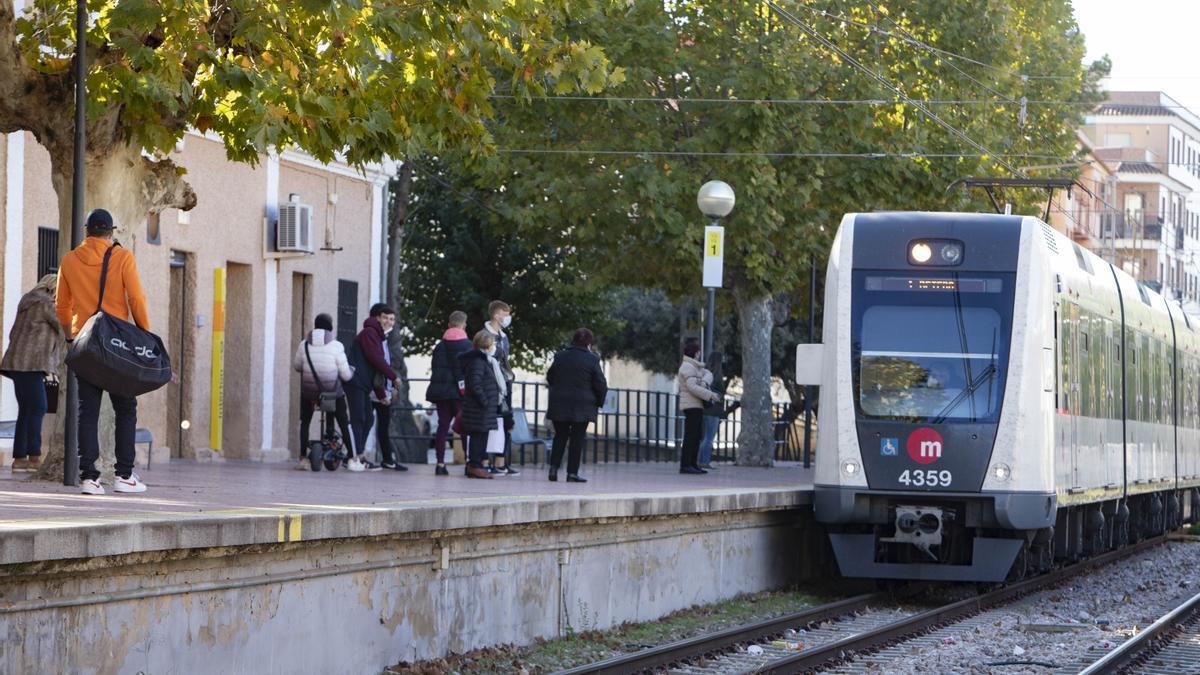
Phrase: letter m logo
(931, 449)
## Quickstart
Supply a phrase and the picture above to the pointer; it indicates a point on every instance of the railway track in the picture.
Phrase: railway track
(834, 634)
(1169, 646)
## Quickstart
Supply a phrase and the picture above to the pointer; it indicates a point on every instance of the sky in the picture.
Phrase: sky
(1149, 43)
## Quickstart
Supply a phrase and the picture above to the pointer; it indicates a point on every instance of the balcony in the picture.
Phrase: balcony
(1119, 226)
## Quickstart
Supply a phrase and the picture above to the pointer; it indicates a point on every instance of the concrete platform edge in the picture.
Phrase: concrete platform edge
(37, 540)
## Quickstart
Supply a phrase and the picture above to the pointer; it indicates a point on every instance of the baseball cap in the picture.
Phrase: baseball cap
(99, 220)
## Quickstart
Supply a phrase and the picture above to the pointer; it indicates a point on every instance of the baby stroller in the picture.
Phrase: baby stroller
(330, 450)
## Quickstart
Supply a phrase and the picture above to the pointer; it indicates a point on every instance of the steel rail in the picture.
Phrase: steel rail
(698, 646)
(955, 611)
(1145, 643)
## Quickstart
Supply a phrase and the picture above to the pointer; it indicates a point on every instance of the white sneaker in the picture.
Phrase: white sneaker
(131, 484)
(91, 487)
(355, 464)
(303, 465)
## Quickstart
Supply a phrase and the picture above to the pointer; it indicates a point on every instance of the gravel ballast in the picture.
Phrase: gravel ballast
(1059, 630)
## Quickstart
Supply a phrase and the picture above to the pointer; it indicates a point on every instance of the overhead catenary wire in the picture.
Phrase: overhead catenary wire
(816, 101)
(830, 46)
(797, 155)
(937, 50)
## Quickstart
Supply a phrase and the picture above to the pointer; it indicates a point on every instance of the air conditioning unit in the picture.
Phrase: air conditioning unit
(293, 231)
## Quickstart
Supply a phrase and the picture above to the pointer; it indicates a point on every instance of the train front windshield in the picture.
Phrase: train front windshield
(930, 348)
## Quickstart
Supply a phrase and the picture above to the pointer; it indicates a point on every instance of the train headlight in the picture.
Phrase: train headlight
(920, 252)
(935, 252)
(951, 253)
(1001, 471)
(850, 467)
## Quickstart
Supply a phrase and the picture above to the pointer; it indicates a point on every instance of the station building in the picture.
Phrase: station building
(271, 296)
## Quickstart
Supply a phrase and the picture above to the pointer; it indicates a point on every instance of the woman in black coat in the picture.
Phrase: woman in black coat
(445, 379)
(577, 390)
(481, 404)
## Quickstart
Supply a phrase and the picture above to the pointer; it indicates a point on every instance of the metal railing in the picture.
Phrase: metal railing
(635, 425)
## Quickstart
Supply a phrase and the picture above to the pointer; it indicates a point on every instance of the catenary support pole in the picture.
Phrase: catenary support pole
(710, 319)
(810, 391)
(70, 433)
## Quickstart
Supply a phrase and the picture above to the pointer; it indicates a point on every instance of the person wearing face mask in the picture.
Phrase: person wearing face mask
(483, 387)
(500, 318)
(367, 357)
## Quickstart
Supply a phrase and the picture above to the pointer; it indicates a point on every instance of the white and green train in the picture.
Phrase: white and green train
(995, 398)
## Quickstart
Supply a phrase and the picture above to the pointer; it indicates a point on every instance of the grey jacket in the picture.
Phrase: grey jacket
(694, 384)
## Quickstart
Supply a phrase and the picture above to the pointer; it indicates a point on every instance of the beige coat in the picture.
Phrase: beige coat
(695, 383)
(35, 343)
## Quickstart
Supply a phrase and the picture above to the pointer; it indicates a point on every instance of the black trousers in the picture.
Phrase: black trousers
(308, 408)
(477, 448)
(361, 417)
(572, 433)
(125, 408)
(693, 431)
(383, 437)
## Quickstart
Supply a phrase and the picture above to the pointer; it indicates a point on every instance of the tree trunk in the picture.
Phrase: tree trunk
(410, 448)
(130, 187)
(402, 189)
(756, 445)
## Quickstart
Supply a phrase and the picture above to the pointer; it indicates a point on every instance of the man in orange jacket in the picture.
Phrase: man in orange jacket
(76, 301)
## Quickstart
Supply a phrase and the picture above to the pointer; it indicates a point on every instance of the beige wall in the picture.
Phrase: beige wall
(227, 227)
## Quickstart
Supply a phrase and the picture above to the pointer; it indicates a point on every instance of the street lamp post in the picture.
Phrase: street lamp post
(70, 433)
(716, 200)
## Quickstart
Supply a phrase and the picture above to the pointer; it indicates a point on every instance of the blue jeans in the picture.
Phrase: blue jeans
(711, 424)
(31, 408)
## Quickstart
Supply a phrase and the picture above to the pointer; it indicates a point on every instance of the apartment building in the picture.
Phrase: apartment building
(273, 288)
(1152, 144)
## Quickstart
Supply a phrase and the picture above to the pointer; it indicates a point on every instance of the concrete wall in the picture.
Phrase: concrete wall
(359, 605)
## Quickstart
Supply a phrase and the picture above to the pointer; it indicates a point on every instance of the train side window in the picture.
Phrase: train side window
(1082, 259)
(1083, 341)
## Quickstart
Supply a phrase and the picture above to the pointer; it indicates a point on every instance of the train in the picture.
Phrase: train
(994, 400)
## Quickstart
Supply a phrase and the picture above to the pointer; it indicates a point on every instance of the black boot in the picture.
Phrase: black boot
(554, 474)
(691, 469)
(575, 478)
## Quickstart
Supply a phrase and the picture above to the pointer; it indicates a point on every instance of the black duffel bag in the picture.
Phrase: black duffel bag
(116, 355)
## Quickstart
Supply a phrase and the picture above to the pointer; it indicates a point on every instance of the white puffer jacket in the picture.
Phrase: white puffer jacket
(329, 360)
(694, 384)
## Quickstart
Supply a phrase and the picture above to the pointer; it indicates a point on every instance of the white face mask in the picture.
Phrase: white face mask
(506, 321)
(491, 350)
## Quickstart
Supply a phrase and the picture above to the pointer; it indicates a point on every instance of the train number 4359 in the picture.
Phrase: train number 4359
(930, 478)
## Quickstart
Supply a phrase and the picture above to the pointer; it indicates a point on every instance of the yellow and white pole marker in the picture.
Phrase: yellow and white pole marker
(216, 424)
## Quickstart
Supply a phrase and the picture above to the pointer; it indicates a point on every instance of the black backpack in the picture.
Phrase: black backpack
(116, 355)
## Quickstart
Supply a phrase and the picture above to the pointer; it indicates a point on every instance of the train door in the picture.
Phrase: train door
(1070, 405)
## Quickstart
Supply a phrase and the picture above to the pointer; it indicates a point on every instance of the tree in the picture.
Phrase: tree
(457, 257)
(361, 79)
(712, 90)
(358, 79)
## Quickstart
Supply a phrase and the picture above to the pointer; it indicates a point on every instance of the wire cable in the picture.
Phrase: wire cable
(830, 46)
(872, 28)
(796, 155)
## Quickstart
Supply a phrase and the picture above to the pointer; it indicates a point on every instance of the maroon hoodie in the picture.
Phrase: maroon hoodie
(366, 356)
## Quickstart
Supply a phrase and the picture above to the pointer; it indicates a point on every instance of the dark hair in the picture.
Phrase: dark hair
(691, 348)
(380, 308)
(323, 321)
(583, 338)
